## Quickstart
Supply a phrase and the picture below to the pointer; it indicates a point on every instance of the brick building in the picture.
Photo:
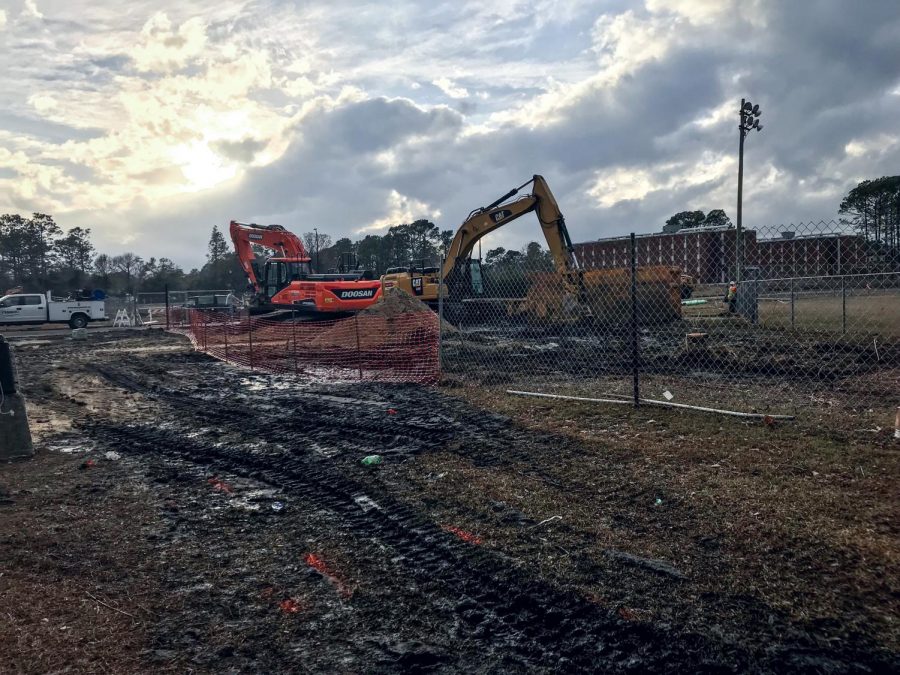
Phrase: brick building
(708, 254)
(815, 255)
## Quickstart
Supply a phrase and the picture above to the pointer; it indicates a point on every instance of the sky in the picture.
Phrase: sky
(152, 121)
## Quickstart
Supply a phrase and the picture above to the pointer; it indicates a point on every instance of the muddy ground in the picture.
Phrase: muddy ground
(234, 528)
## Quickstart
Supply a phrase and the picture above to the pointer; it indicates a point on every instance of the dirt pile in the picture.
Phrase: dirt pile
(394, 303)
(377, 325)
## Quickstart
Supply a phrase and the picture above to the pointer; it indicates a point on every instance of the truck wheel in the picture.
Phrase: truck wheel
(78, 321)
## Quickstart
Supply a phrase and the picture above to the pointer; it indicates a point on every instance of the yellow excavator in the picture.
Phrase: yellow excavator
(458, 270)
(568, 294)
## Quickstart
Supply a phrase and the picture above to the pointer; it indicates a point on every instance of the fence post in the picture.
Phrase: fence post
(167, 306)
(250, 325)
(294, 333)
(635, 378)
(226, 324)
(792, 302)
(441, 318)
(358, 349)
(843, 304)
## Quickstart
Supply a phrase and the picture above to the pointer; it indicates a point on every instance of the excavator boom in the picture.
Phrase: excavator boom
(426, 285)
(272, 237)
(497, 214)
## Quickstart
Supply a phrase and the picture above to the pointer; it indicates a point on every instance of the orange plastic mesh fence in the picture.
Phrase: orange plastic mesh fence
(374, 348)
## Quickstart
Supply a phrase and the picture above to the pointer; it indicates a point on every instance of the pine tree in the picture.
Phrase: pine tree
(218, 248)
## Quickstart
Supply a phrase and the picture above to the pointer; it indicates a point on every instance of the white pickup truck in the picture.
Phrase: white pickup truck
(24, 308)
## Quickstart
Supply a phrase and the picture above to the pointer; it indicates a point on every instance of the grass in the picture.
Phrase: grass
(864, 313)
(800, 515)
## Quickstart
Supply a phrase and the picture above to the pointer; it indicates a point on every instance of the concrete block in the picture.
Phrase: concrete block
(15, 436)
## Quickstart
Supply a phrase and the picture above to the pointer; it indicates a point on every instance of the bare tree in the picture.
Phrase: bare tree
(128, 264)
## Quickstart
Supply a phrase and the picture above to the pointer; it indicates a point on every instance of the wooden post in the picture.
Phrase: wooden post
(250, 325)
(358, 348)
(294, 332)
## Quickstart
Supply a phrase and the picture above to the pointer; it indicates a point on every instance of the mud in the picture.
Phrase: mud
(505, 353)
(283, 553)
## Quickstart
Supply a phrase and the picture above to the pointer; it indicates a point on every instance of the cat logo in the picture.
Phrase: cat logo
(497, 216)
(417, 285)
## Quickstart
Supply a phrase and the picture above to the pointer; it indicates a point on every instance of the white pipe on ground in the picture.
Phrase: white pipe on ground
(667, 404)
(567, 398)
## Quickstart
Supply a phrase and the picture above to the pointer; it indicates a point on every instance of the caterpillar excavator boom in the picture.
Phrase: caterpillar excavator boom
(287, 280)
(424, 282)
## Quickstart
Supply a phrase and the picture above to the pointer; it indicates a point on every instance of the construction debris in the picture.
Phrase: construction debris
(659, 566)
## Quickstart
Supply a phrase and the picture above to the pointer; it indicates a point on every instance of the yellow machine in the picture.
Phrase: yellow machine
(569, 294)
(424, 282)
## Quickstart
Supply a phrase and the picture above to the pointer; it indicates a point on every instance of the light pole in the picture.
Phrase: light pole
(316, 230)
(749, 114)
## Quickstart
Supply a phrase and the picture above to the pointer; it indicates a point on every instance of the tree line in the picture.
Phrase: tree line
(420, 240)
(36, 255)
(872, 208)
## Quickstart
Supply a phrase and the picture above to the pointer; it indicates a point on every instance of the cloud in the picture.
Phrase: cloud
(154, 124)
(2, 19)
(612, 186)
(445, 84)
(240, 151)
(31, 10)
(399, 209)
(162, 47)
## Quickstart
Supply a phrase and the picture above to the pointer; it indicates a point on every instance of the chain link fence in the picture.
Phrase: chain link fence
(808, 318)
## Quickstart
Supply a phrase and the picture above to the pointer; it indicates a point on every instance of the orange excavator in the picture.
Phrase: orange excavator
(287, 280)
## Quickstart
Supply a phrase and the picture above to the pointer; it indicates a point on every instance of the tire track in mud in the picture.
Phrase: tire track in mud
(538, 623)
(505, 608)
(485, 438)
(531, 623)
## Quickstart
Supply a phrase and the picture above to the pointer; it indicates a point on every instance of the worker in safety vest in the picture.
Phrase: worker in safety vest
(731, 297)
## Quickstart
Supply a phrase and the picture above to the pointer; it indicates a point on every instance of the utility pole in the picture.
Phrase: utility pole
(749, 115)
(316, 230)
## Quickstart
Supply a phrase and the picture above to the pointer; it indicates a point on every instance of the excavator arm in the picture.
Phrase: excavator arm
(273, 237)
(487, 219)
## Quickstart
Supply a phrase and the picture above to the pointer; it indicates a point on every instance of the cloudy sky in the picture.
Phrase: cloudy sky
(152, 120)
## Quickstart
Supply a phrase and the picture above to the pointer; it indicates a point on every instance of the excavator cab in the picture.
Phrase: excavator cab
(280, 272)
(476, 279)
(465, 280)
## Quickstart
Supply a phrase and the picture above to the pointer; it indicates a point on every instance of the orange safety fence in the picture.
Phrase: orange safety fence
(402, 348)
